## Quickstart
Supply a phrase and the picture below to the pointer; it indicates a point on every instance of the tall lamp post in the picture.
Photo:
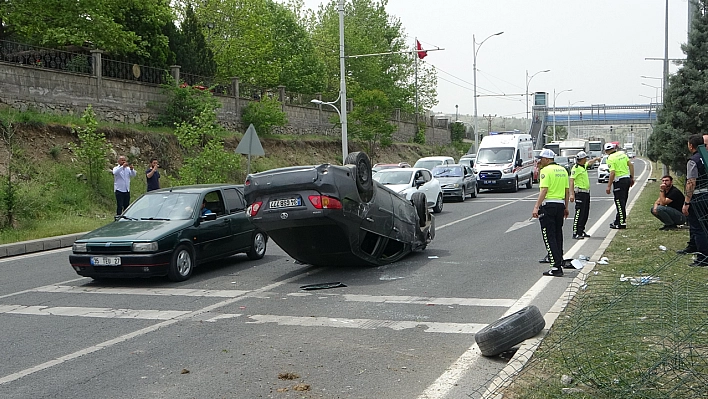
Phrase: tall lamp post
(657, 88)
(342, 84)
(554, 109)
(475, 50)
(528, 80)
(570, 105)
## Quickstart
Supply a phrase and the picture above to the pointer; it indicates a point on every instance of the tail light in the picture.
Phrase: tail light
(253, 209)
(325, 202)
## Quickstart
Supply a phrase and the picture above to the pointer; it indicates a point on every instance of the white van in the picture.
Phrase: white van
(504, 160)
(430, 162)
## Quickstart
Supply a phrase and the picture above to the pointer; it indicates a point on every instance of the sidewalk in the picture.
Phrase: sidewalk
(42, 244)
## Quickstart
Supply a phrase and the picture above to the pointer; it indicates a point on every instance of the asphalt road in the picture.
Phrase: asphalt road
(404, 330)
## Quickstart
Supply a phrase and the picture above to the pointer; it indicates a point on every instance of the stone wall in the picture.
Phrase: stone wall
(123, 101)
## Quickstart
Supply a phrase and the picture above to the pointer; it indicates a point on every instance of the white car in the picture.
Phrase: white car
(430, 162)
(603, 171)
(406, 181)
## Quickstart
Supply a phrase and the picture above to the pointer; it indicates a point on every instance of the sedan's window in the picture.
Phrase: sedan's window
(447, 171)
(163, 206)
(397, 177)
(215, 203)
(234, 200)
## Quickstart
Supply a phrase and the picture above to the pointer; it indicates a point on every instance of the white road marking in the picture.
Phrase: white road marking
(106, 313)
(35, 289)
(141, 291)
(106, 344)
(519, 225)
(367, 324)
(437, 228)
(430, 300)
(34, 254)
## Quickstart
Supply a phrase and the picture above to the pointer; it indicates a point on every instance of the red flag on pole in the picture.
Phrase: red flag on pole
(421, 54)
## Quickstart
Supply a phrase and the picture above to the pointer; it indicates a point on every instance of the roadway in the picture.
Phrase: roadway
(404, 330)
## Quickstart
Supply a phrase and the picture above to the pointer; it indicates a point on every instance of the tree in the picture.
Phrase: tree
(190, 46)
(264, 115)
(369, 29)
(371, 117)
(9, 194)
(685, 109)
(92, 149)
(457, 132)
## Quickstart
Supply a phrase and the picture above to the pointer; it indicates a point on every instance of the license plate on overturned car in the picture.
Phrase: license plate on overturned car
(285, 203)
(105, 260)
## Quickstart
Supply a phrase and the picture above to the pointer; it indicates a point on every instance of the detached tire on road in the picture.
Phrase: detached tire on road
(421, 207)
(509, 331)
(362, 176)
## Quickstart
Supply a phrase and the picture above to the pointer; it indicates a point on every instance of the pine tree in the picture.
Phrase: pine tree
(685, 109)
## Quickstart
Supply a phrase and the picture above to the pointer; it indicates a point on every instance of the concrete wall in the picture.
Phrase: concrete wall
(45, 90)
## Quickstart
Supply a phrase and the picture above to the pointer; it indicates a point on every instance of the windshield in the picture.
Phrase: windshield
(447, 171)
(429, 164)
(561, 160)
(570, 152)
(604, 160)
(495, 155)
(163, 206)
(393, 177)
(595, 146)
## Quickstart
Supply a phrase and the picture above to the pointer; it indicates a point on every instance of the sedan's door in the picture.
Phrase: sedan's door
(241, 226)
(468, 178)
(213, 237)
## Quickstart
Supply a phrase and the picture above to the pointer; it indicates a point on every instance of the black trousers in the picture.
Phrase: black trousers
(582, 209)
(550, 216)
(122, 201)
(620, 189)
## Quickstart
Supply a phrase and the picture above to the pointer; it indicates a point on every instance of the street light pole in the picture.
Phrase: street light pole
(528, 80)
(554, 109)
(475, 50)
(656, 89)
(342, 84)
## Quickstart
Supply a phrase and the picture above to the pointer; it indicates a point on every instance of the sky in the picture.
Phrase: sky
(597, 48)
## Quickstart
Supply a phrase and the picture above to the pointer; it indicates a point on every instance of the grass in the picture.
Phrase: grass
(615, 339)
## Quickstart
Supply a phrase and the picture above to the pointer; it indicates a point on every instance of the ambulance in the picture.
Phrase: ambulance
(504, 160)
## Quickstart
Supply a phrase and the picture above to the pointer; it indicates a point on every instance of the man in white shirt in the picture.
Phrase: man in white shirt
(121, 183)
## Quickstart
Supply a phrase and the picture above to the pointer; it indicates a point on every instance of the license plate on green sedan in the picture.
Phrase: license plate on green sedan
(105, 260)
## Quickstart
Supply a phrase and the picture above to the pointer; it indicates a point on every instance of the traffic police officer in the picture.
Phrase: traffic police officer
(696, 201)
(620, 180)
(551, 208)
(580, 193)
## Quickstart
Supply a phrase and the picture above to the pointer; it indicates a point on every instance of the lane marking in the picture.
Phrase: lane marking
(141, 291)
(430, 300)
(105, 313)
(34, 254)
(34, 289)
(143, 331)
(519, 225)
(367, 324)
(482, 212)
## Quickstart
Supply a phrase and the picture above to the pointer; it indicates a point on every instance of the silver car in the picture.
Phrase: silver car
(456, 181)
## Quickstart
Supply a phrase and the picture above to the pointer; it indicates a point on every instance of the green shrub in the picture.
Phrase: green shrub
(54, 152)
(184, 103)
(264, 114)
(93, 148)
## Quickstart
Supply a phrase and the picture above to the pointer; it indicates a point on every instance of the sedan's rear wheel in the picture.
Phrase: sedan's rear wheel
(182, 264)
(362, 174)
(475, 190)
(258, 246)
(438, 204)
(464, 195)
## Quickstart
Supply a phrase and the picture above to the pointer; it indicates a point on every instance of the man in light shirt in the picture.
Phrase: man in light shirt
(121, 184)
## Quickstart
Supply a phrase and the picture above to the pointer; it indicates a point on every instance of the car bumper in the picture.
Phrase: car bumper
(603, 177)
(451, 192)
(132, 265)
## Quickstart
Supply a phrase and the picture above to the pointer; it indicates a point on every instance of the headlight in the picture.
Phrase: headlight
(507, 170)
(456, 185)
(79, 247)
(144, 246)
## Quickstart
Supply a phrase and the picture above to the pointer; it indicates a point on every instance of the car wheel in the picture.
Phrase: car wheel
(508, 331)
(475, 190)
(464, 195)
(438, 204)
(516, 185)
(182, 264)
(529, 183)
(421, 208)
(258, 246)
(362, 174)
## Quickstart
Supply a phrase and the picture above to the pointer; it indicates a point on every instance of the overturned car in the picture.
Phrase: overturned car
(337, 215)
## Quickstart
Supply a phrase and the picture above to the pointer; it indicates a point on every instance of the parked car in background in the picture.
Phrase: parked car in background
(457, 181)
(603, 171)
(536, 172)
(430, 162)
(406, 181)
(630, 154)
(382, 166)
(329, 215)
(564, 162)
(165, 233)
(468, 160)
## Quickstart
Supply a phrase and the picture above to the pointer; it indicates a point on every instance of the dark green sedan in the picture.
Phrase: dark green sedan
(168, 232)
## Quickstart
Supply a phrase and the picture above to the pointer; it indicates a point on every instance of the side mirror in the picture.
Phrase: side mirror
(519, 162)
(419, 183)
(208, 217)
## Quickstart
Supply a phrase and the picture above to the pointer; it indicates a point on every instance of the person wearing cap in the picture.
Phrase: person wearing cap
(551, 208)
(580, 193)
(620, 180)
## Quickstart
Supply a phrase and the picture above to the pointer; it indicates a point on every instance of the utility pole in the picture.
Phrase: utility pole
(489, 119)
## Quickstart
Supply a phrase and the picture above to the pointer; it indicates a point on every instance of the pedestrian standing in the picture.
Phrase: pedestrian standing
(620, 180)
(696, 200)
(580, 193)
(153, 176)
(121, 184)
(669, 206)
(551, 208)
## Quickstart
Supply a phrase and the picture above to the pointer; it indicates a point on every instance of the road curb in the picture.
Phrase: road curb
(41, 244)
